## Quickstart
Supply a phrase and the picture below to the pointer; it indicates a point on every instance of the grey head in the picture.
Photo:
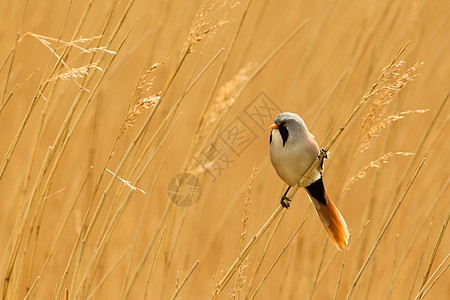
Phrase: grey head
(291, 126)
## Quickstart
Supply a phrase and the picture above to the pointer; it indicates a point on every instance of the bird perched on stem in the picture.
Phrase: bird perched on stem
(293, 150)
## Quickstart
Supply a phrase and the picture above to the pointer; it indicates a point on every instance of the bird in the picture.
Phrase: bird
(293, 150)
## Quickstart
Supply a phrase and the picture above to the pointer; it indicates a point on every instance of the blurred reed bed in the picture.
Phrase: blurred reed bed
(103, 103)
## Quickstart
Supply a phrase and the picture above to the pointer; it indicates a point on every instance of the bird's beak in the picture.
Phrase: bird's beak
(273, 126)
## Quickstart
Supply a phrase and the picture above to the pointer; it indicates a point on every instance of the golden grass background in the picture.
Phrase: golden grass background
(334, 59)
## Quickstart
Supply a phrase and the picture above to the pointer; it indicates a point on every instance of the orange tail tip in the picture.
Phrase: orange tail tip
(333, 222)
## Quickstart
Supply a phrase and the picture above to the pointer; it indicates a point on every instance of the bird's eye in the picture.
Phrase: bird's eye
(285, 125)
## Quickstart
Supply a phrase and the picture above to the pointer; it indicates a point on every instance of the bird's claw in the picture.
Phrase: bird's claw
(285, 202)
(322, 155)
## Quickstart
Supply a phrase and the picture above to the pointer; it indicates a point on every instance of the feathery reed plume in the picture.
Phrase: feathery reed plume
(216, 279)
(374, 131)
(226, 97)
(79, 72)
(184, 280)
(143, 102)
(177, 280)
(71, 73)
(47, 41)
(201, 26)
(392, 83)
(241, 278)
(378, 163)
(75, 43)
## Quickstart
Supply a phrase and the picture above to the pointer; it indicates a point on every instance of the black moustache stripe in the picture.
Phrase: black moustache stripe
(284, 133)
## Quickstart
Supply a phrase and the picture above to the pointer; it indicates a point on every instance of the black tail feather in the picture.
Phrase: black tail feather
(317, 190)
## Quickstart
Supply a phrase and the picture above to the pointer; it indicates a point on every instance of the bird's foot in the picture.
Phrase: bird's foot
(285, 202)
(322, 155)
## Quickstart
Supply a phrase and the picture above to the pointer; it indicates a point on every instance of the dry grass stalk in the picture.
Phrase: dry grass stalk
(341, 271)
(66, 140)
(215, 281)
(63, 224)
(143, 102)
(147, 282)
(176, 239)
(15, 89)
(31, 289)
(108, 273)
(75, 43)
(146, 253)
(140, 226)
(47, 40)
(177, 280)
(241, 278)
(400, 183)
(263, 254)
(378, 163)
(47, 160)
(232, 269)
(435, 277)
(128, 153)
(49, 156)
(433, 255)
(316, 278)
(116, 214)
(185, 280)
(277, 259)
(413, 238)
(44, 85)
(168, 117)
(420, 260)
(368, 211)
(126, 182)
(121, 164)
(383, 231)
(126, 283)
